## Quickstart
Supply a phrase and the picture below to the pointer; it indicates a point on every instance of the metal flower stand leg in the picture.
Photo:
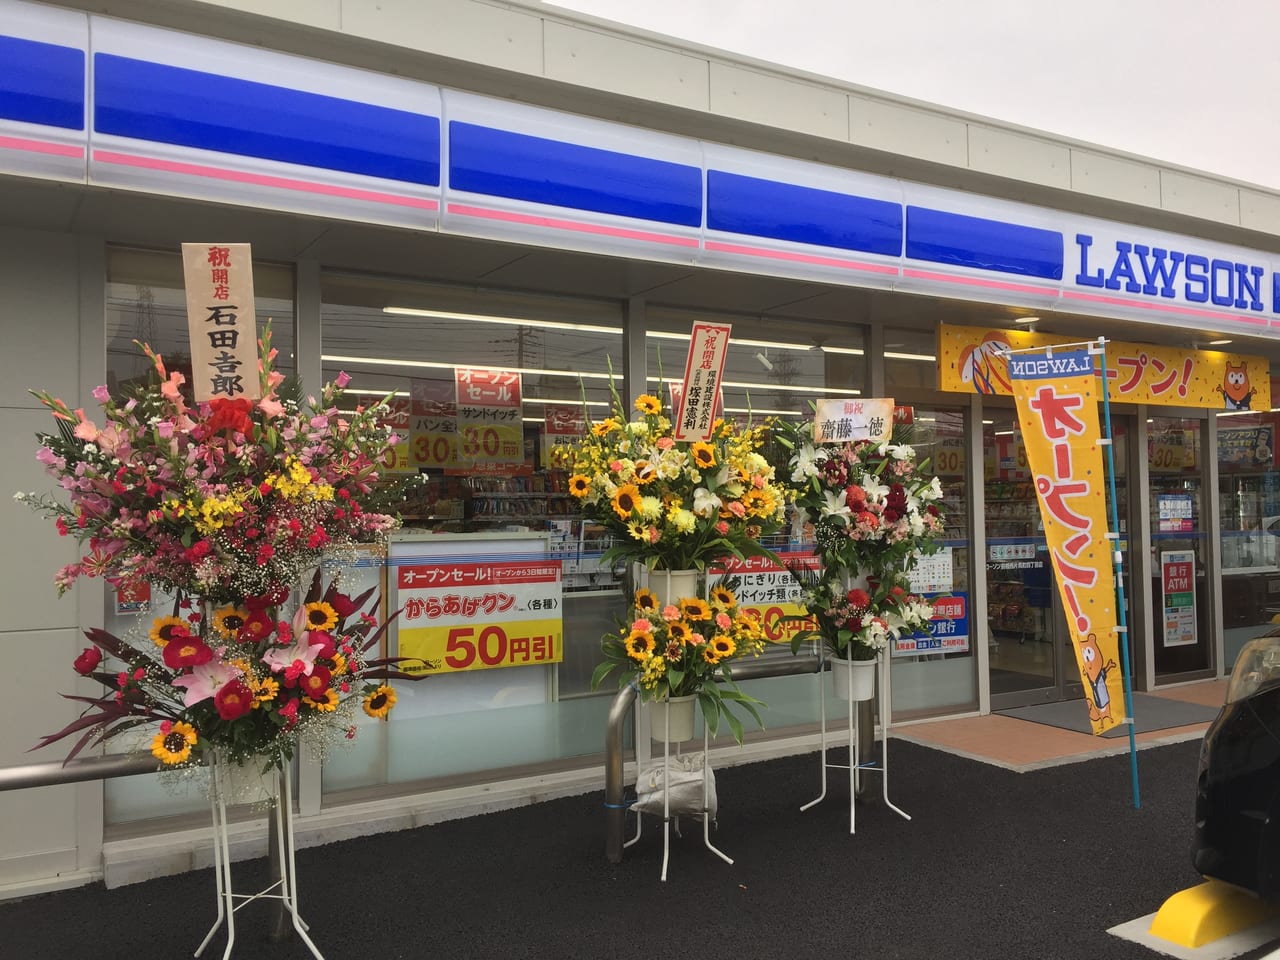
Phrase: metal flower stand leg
(855, 765)
(666, 799)
(283, 889)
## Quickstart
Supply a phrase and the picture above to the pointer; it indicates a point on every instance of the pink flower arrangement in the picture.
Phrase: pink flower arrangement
(223, 500)
(227, 505)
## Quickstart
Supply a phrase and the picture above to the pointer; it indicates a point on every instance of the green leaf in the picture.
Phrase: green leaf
(600, 672)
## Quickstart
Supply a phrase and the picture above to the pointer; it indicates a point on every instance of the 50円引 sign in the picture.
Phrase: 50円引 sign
(478, 616)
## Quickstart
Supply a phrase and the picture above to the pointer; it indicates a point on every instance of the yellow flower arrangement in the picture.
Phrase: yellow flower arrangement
(686, 648)
(675, 504)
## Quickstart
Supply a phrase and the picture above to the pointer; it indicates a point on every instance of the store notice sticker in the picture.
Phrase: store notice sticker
(853, 418)
(703, 370)
(1178, 590)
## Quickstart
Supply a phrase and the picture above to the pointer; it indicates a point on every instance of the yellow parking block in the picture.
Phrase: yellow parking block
(1208, 912)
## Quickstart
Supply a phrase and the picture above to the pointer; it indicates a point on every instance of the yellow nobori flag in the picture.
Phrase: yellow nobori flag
(1057, 397)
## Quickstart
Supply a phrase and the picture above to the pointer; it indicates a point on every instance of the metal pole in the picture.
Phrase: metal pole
(75, 771)
(615, 808)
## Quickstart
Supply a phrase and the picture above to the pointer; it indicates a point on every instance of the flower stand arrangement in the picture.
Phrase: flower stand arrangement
(672, 507)
(679, 654)
(227, 506)
(873, 513)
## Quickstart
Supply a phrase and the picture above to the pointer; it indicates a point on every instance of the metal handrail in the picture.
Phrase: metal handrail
(614, 807)
(75, 771)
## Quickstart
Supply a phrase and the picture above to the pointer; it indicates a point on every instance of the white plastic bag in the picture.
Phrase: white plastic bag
(686, 787)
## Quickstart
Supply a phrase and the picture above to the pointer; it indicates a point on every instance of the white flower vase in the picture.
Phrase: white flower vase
(680, 710)
(854, 679)
(246, 782)
(669, 586)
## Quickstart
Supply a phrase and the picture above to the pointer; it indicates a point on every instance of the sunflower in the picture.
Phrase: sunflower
(327, 704)
(639, 644)
(645, 472)
(264, 690)
(626, 500)
(647, 403)
(579, 485)
(723, 645)
(173, 745)
(679, 631)
(228, 620)
(695, 608)
(163, 628)
(604, 426)
(321, 616)
(379, 703)
(722, 598)
(339, 664)
(703, 454)
(646, 600)
(758, 503)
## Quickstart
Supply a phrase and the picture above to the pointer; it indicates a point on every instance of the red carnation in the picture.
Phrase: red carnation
(858, 599)
(234, 700)
(88, 661)
(230, 415)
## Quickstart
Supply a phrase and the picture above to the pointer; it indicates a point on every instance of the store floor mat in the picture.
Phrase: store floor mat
(1149, 713)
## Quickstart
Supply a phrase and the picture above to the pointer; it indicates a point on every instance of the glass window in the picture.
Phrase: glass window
(937, 673)
(484, 386)
(1249, 521)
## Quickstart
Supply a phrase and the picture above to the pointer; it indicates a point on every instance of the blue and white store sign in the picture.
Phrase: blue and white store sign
(92, 100)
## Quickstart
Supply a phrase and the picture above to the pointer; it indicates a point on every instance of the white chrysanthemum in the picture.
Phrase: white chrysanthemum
(650, 507)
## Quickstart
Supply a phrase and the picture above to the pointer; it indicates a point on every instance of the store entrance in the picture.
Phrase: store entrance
(1032, 659)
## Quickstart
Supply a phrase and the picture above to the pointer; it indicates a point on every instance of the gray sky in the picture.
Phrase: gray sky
(1184, 81)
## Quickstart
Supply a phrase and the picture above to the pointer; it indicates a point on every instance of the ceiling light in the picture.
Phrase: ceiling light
(1025, 319)
(855, 351)
(733, 341)
(928, 358)
(764, 361)
(433, 365)
(1219, 343)
(508, 321)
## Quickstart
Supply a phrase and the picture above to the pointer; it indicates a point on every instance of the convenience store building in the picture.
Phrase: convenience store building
(460, 189)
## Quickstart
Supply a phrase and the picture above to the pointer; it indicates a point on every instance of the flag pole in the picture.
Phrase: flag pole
(1100, 348)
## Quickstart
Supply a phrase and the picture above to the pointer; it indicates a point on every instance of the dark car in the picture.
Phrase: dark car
(1238, 789)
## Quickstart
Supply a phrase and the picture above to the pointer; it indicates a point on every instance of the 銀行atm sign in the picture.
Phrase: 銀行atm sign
(477, 616)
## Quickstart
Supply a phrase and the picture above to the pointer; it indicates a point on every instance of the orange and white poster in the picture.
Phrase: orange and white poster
(1057, 397)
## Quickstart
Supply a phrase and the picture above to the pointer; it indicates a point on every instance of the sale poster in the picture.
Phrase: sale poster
(490, 426)
(460, 616)
(768, 592)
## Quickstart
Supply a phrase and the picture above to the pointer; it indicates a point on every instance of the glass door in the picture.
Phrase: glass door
(1179, 541)
(1025, 623)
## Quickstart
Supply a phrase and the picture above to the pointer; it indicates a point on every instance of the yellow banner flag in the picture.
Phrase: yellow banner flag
(1057, 397)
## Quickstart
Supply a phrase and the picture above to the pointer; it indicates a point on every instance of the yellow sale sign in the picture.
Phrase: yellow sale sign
(476, 616)
(1056, 394)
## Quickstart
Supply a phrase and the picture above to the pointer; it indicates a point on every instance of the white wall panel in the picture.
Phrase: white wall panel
(1113, 177)
(771, 99)
(476, 32)
(897, 128)
(325, 14)
(1260, 211)
(41, 317)
(37, 826)
(605, 61)
(1017, 156)
(1199, 197)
